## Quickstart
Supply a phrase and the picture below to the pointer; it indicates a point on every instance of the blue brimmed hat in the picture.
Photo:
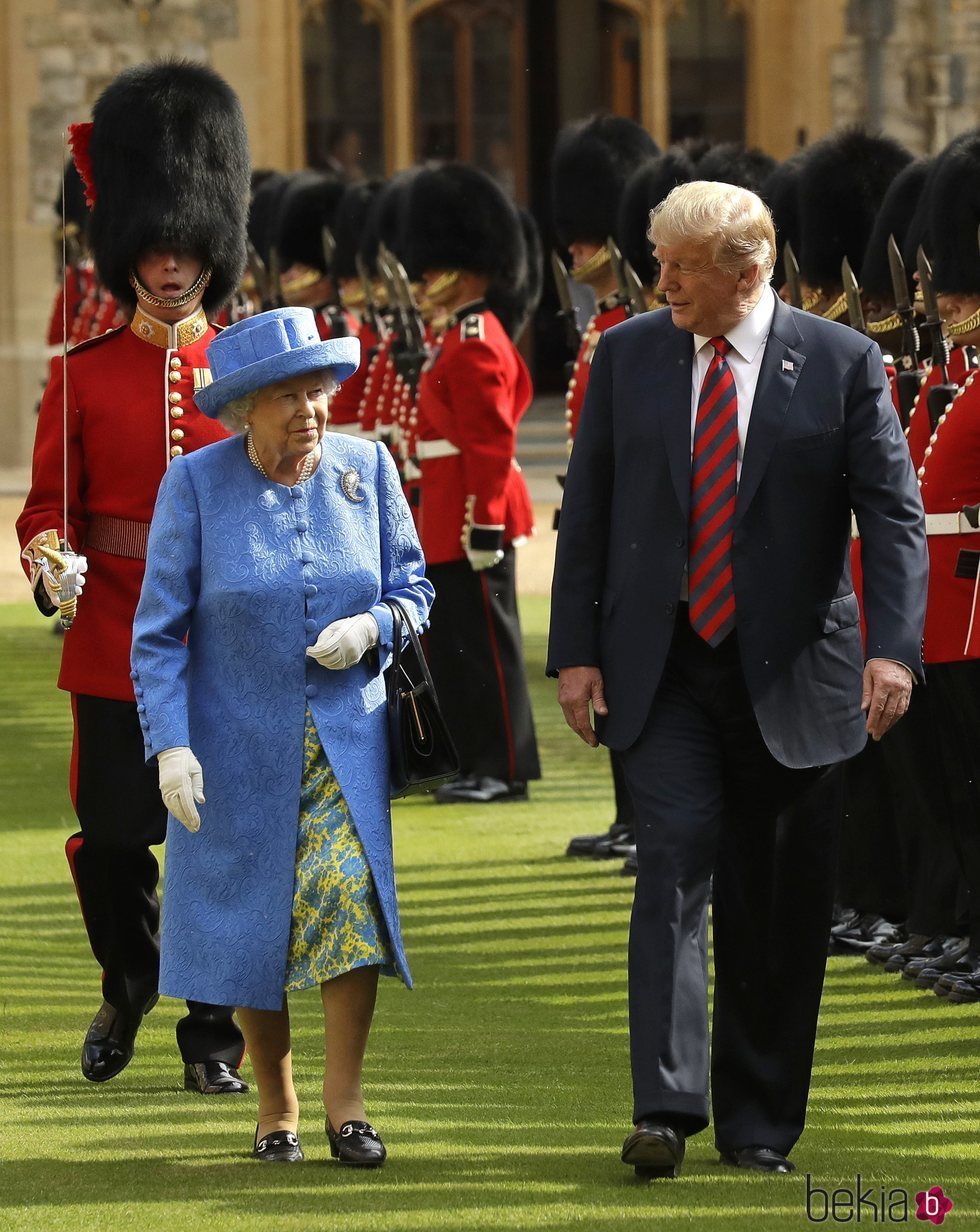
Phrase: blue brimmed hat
(270, 347)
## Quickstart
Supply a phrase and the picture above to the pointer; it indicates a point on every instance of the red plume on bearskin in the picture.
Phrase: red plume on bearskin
(79, 140)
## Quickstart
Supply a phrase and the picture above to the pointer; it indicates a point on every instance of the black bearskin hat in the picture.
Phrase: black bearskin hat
(843, 181)
(645, 189)
(308, 204)
(781, 192)
(953, 207)
(263, 213)
(170, 166)
(731, 163)
(349, 223)
(894, 218)
(589, 168)
(458, 217)
(385, 223)
(514, 306)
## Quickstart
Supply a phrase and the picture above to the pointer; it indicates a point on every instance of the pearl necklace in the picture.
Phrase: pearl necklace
(305, 472)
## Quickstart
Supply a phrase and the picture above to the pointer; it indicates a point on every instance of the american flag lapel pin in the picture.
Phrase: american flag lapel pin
(787, 365)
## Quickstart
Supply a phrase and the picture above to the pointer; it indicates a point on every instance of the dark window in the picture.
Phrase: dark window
(342, 89)
(707, 72)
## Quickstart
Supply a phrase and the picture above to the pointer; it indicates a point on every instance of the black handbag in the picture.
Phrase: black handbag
(421, 750)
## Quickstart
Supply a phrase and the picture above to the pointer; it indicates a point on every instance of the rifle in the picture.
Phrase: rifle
(940, 396)
(908, 380)
(408, 349)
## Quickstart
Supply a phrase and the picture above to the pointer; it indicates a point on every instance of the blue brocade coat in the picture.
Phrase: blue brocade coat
(251, 571)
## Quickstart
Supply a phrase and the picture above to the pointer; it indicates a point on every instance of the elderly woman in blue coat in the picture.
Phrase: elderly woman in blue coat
(258, 645)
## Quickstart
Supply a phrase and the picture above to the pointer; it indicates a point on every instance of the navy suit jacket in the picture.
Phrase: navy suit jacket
(823, 440)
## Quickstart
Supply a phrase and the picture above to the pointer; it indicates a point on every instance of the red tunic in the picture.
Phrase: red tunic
(473, 392)
(130, 408)
(949, 479)
(920, 428)
(346, 402)
(575, 396)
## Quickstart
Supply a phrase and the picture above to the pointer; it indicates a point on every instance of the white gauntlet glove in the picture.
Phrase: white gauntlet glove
(345, 642)
(182, 785)
(483, 560)
(60, 571)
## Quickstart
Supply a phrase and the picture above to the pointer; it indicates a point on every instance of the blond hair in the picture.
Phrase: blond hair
(735, 223)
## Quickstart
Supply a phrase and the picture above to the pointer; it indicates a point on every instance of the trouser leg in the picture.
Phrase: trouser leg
(117, 800)
(476, 657)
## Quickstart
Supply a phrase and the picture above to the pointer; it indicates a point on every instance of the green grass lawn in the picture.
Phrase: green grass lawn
(500, 1084)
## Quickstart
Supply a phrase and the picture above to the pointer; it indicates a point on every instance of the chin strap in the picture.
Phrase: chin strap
(198, 287)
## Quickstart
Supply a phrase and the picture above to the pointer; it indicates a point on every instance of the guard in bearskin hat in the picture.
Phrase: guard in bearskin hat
(842, 183)
(465, 244)
(950, 484)
(305, 248)
(730, 162)
(590, 167)
(166, 165)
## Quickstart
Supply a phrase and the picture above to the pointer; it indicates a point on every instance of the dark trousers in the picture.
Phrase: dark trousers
(913, 762)
(954, 690)
(710, 799)
(476, 656)
(121, 815)
(624, 805)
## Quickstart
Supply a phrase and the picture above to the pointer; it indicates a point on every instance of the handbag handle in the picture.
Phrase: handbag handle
(399, 617)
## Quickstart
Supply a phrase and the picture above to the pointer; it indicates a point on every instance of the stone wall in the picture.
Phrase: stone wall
(85, 44)
(930, 69)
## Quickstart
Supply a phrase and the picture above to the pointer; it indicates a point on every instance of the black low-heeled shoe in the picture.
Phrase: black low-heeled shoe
(357, 1143)
(281, 1146)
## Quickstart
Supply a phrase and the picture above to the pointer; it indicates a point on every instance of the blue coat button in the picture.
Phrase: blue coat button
(310, 591)
(302, 526)
(312, 626)
(295, 493)
(311, 690)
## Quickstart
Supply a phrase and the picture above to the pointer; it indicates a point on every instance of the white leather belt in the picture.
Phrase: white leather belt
(435, 449)
(936, 524)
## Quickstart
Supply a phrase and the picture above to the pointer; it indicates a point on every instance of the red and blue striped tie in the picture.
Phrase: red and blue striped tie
(711, 589)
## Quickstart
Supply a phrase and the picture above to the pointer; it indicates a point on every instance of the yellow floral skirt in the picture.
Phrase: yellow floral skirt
(337, 923)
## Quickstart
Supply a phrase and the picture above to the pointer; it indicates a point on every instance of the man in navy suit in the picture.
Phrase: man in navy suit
(703, 609)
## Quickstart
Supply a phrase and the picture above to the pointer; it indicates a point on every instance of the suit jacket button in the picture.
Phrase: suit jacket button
(670, 608)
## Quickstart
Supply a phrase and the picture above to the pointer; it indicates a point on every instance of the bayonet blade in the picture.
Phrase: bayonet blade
(855, 312)
(560, 275)
(275, 278)
(928, 290)
(791, 268)
(900, 285)
(329, 246)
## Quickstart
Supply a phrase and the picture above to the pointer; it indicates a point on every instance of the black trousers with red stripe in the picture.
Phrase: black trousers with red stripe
(121, 815)
(476, 655)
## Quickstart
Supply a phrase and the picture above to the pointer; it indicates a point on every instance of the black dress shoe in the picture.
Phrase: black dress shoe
(961, 982)
(654, 1150)
(758, 1159)
(110, 1040)
(479, 789)
(281, 1146)
(630, 867)
(213, 1078)
(939, 956)
(356, 1143)
(598, 846)
(854, 932)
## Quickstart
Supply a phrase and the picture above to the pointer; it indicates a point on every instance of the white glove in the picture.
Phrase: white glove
(62, 585)
(182, 785)
(345, 642)
(480, 560)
